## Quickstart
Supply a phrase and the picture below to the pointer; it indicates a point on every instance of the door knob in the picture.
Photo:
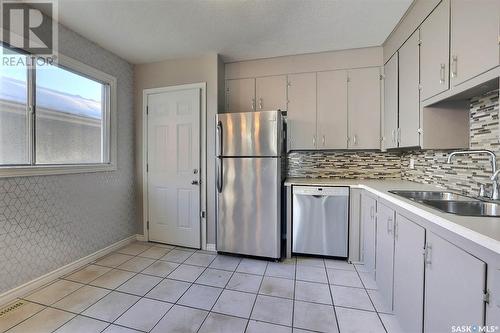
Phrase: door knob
(194, 182)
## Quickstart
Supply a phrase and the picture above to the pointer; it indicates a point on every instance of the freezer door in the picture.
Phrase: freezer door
(249, 206)
(249, 134)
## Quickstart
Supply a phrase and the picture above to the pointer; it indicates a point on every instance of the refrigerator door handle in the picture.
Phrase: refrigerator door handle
(219, 139)
(219, 174)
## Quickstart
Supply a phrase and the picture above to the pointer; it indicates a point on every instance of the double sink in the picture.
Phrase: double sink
(453, 203)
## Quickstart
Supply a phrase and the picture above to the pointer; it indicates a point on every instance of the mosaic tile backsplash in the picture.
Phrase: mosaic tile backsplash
(464, 174)
(363, 165)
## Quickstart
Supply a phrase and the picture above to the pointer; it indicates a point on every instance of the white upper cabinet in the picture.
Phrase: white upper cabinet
(301, 118)
(391, 103)
(409, 93)
(434, 51)
(474, 38)
(271, 93)
(332, 110)
(364, 100)
(240, 95)
(454, 286)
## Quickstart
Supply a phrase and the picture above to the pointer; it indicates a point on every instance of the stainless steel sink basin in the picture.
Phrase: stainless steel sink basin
(453, 203)
(433, 195)
(467, 208)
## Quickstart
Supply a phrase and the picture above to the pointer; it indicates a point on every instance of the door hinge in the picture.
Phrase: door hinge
(419, 42)
(147, 110)
(419, 87)
(382, 76)
(147, 225)
(348, 79)
(202, 214)
(486, 297)
(147, 167)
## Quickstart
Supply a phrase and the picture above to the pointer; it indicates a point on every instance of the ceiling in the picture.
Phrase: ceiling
(142, 31)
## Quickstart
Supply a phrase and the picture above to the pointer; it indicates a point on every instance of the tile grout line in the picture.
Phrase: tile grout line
(256, 295)
(333, 302)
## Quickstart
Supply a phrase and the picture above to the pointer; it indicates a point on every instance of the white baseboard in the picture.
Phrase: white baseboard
(23, 289)
(211, 247)
(141, 238)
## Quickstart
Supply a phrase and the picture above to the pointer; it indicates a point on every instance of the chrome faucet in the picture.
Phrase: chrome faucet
(493, 159)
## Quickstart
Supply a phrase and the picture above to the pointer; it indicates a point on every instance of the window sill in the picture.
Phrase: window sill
(41, 170)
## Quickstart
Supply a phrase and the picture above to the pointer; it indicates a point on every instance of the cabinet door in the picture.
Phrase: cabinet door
(301, 118)
(391, 103)
(454, 286)
(240, 95)
(332, 109)
(434, 51)
(363, 92)
(270, 93)
(474, 38)
(409, 94)
(409, 274)
(384, 256)
(368, 211)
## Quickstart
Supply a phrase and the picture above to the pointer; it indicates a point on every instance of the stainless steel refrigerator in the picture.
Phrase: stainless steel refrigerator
(249, 160)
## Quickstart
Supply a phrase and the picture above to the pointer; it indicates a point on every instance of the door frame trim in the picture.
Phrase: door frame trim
(203, 155)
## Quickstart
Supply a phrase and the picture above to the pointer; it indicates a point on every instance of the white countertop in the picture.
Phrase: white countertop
(484, 231)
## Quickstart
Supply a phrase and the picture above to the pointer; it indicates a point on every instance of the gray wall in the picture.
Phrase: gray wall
(47, 222)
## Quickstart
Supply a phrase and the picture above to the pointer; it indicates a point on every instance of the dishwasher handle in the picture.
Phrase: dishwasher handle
(317, 192)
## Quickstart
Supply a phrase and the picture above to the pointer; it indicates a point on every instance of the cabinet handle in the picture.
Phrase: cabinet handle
(372, 212)
(260, 103)
(354, 139)
(389, 225)
(323, 140)
(399, 135)
(427, 253)
(441, 74)
(454, 66)
(394, 136)
(396, 226)
(253, 104)
(314, 140)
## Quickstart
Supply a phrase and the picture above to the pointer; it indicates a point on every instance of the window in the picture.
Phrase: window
(69, 129)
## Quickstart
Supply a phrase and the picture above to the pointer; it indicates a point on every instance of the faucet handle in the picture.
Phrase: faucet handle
(482, 192)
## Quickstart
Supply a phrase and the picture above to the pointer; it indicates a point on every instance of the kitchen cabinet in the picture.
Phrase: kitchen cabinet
(301, 120)
(384, 255)
(409, 93)
(368, 220)
(271, 93)
(454, 286)
(391, 103)
(364, 100)
(409, 246)
(240, 95)
(474, 38)
(332, 110)
(434, 51)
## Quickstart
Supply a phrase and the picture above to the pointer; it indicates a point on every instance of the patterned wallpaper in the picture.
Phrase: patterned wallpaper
(335, 164)
(464, 174)
(50, 221)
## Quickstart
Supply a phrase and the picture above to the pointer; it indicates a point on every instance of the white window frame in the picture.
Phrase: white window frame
(109, 142)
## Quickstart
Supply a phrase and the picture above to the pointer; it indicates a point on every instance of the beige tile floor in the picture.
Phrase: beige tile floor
(148, 287)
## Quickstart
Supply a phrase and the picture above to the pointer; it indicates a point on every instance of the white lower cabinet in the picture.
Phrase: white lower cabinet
(454, 286)
(384, 255)
(368, 211)
(409, 274)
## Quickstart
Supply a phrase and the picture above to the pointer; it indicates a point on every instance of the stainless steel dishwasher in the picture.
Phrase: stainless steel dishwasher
(320, 220)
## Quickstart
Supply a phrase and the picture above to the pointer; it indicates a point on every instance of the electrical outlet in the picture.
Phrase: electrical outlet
(412, 163)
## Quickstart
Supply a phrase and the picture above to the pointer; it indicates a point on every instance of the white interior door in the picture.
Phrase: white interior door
(173, 167)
